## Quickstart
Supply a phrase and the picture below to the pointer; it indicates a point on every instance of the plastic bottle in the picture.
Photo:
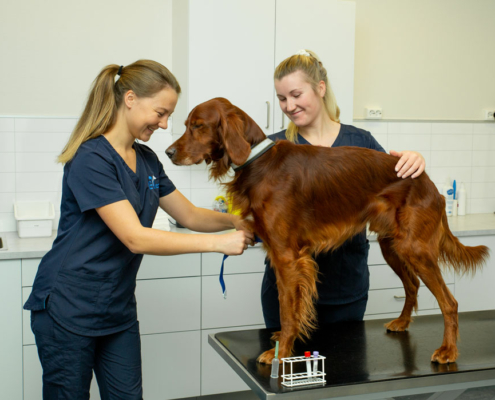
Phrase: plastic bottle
(461, 210)
(448, 193)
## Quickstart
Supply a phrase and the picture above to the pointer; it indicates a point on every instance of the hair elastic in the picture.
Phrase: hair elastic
(120, 70)
(303, 52)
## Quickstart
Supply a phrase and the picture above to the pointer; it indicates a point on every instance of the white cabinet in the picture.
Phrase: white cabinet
(241, 307)
(171, 365)
(216, 375)
(224, 48)
(168, 305)
(476, 292)
(252, 260)
(11, 336)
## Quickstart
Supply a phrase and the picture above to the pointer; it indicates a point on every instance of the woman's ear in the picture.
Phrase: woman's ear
(322, 87)
(129, 98)
(232, 130)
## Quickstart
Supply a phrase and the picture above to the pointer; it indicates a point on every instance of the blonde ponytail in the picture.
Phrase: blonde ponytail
(309, 63)
(144, 77)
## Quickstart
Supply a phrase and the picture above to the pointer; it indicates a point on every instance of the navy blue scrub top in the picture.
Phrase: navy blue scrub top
(89, 275)
(344, 274)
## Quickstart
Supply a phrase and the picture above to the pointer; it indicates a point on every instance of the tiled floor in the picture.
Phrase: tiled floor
(481, 393)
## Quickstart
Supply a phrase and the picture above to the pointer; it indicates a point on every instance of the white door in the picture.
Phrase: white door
(231, 55)
(326, 27)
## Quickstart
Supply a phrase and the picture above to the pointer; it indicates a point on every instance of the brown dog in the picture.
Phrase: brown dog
(302, 200)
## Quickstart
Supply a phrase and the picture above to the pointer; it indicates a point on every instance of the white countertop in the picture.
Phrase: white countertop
(468, 225)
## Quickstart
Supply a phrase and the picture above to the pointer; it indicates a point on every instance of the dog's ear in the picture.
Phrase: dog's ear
(232, 129)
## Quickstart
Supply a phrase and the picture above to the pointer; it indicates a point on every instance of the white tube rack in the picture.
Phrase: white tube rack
(303, 378)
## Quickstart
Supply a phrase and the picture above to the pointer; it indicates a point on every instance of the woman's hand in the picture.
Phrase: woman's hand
(234, 243)
(411, 163)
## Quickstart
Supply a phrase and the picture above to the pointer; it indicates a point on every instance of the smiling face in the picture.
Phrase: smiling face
(146, 114)
(298, 100)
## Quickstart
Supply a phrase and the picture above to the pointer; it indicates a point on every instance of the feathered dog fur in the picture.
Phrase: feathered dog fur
(302, 200)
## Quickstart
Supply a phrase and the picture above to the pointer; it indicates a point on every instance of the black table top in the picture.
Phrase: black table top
(364, 352)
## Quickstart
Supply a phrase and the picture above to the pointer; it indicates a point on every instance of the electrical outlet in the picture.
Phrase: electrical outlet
(373, 113)
(489, 115)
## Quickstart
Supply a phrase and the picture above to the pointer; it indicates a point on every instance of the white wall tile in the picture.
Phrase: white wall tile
(7, 142)
(483, 174)
(7, 202)
(447, 142)
(7, 162)
(485, 190)
(409, 128)
(204, 197)
(479, 206)
(409, 142)
(40, 141)
(199, 180)
(47, 125)
(372, 127)
(38, 182)
(37, 162)
(484, 142)
(7, 222)
(483, 158)
(7, 182)
(451, 128)
(159, 142)
(487, 128)
(451, 158)
(460, 174)
(181, 179)
(7, 124)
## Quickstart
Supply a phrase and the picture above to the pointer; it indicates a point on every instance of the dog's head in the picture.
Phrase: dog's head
(217, 132)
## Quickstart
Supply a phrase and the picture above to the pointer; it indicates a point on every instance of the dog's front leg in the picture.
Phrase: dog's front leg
(296, 283)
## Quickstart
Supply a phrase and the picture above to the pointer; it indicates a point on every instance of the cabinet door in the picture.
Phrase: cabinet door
(326, 27)
(29, 269)
(231, 53)
(153, 267)
(252, 260)
(11, 336)
(216, 375)
(33, 383)
(171, 365)
(242, 305)
(168, 305)
(475, 292)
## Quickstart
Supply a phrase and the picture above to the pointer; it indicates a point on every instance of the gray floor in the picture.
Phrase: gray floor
(481, 393)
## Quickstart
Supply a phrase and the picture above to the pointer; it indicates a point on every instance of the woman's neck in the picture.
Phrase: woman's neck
(119, 136)
(322, 132)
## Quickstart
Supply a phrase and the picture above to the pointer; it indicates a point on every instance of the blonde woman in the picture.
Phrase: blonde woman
(83, 305)
(306, 97)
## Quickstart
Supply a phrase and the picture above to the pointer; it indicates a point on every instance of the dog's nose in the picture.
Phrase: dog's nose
(170, 152)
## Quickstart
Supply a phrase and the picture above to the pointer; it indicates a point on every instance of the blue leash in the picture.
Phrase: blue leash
(222, 282)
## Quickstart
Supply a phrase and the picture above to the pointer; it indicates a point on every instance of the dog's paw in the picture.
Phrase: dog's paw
(397, 325)
(267, 357)
(445, 355)
(276, 336)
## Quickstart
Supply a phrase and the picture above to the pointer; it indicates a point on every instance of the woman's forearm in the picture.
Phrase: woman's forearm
(204, 220)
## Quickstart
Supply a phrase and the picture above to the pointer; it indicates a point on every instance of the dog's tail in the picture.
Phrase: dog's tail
(463, 259)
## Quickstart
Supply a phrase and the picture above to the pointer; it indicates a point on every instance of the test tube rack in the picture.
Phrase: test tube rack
(303, 378)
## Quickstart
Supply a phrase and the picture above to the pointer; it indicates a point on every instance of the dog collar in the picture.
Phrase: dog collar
(256, 151)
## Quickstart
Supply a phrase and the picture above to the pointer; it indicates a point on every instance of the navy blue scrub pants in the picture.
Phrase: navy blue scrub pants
(68, 361)
(327, 313)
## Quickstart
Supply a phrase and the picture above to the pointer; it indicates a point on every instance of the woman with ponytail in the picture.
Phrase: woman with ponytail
(306, 97)
(83, 308)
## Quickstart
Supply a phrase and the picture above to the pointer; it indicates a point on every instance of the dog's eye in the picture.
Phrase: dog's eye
(197, 126)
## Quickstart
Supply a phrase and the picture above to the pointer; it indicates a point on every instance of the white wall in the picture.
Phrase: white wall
(52, 50)
(425, 59)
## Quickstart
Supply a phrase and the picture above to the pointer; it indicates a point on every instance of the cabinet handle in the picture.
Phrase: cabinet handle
(402, 297)
(282, 126)
(267, 115)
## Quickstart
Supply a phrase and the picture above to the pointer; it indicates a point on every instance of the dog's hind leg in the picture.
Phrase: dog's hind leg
(425, 264)
(296, 282)
(411, 285)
